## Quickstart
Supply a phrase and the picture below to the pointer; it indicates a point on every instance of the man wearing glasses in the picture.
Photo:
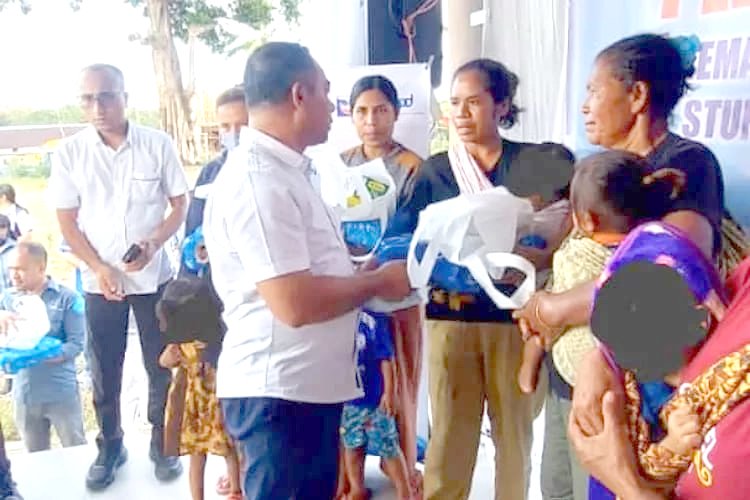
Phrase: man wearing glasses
(111, 184)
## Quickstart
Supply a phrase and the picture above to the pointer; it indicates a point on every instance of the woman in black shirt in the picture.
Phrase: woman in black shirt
(475, 348)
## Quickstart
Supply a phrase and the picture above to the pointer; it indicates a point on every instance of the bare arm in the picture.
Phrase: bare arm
(160, 235)
(608, 454)
(107, 276)
(169, 226)
(697, 228)
(573, 308)
(300, 298)
(386, 366)
(79, 245)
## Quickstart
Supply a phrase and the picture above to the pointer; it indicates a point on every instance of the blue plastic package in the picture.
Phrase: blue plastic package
(190, 252)
(533, 241)
(361, 236)
(445, 274)
(13, 360)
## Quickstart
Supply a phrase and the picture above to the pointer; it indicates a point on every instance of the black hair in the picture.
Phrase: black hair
(500, 82)
(656, 61)
(646, 314)
(34, 249)
(190, 310)
(4, 221)
(114, 72)
(272, 69)
(615, 184)
(375, 82)
(235, 94)
(8, 192)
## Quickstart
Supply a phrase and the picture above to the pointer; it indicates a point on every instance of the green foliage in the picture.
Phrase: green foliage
(34, 165)
(27, 116)
(215, 20)
(67, 114)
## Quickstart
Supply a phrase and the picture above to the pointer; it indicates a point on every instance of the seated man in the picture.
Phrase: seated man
(46, 394)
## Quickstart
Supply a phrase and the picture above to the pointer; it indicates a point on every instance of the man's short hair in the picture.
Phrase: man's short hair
(235, 94)
(114, 72)
(272, 69)
(35, 250)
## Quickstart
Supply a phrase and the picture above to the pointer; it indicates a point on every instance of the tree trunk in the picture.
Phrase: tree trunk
(174, 102)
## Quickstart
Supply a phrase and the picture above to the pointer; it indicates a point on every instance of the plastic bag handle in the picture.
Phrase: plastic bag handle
(503, 260)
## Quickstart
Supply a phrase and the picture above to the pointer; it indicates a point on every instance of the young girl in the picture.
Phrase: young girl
(190, 317)
(610, 195)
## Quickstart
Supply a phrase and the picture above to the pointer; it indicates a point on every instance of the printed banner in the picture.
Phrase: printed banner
(716, 111)
(414, 123)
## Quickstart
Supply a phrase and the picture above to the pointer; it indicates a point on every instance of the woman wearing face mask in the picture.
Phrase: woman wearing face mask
(475, 348)
(375, 108)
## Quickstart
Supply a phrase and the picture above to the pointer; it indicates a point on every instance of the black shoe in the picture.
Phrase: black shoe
(102, 472)
(166, 468)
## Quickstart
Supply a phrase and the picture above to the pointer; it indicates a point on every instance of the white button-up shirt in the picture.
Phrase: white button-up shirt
(264, 219)
(122, 197)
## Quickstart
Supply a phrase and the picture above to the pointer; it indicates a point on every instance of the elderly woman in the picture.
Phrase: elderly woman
(475, 348)
(375, 108)
(633, 88)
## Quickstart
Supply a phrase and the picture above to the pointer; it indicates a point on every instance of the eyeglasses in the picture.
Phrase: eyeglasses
(102, 98)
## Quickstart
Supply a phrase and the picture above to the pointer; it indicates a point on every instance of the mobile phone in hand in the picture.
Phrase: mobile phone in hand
(132, 254)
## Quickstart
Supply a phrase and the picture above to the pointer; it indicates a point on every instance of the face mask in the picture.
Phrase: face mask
(229, 140)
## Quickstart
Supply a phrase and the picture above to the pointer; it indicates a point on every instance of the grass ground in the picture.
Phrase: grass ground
(32, 193)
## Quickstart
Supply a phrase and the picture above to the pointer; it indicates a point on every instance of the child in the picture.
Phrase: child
(190, 316)
(610, 195)
(659, 292)
(370, 419)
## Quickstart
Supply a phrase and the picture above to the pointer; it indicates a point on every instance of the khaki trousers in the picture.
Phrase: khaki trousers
(470, 364)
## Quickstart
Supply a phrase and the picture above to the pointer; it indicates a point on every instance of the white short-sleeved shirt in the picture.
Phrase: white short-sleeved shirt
(122, 196)
(20, 218)
(264, 219)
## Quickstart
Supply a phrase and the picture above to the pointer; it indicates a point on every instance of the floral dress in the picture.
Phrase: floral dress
(193, 419)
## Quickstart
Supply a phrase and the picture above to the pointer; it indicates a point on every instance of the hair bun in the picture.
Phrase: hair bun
(687, 47)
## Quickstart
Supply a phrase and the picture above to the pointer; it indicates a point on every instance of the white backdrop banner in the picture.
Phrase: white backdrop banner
(414, 123)
(412, 129)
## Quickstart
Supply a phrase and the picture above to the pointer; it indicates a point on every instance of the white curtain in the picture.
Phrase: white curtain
(531, 38)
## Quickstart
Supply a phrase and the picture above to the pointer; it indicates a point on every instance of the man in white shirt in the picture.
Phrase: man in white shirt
(111, 184)
(290, 294)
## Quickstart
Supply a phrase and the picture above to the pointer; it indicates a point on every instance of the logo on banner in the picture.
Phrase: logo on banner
(343, 108)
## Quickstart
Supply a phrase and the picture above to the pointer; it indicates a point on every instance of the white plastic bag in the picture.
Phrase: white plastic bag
(363, 196)
(33, 326)
(477, 231)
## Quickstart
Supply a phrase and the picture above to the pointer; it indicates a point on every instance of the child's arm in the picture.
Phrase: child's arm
(386, 401)
(171, 356)
(683, 432)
